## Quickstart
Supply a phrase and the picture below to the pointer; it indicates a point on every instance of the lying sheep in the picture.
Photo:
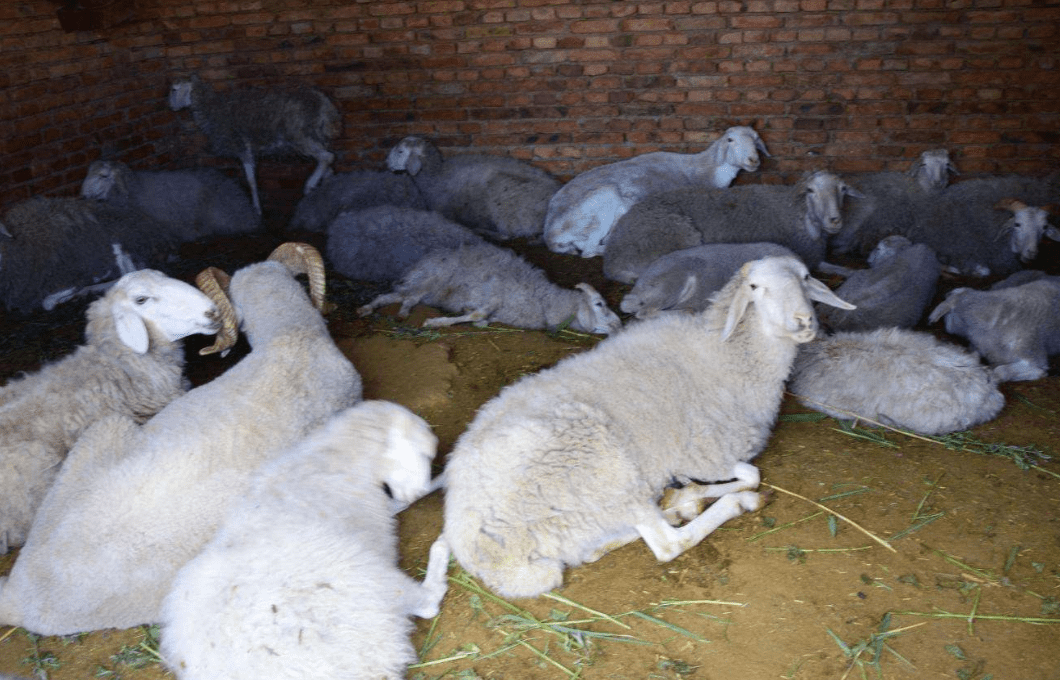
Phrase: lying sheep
(302, 576)
(1016, 328)
(54, 249)
(1024, 276)
(353, 191)
(799, 217)
(492, 284)
(896, 377)
(250, 122)
(131, 364)
(687, 279)
(585, 210)
(892, 202)
(133, 503)
(381, 243)
(570, 462)
(894, 291)
(498, 197)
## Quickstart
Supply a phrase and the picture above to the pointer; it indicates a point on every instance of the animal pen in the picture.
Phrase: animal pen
(877, 552)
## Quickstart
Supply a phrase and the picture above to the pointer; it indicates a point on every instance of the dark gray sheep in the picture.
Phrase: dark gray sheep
(381, 243)
(798, 216)
(497, 196)
(192, 203)
(353, 191)
(250, 122)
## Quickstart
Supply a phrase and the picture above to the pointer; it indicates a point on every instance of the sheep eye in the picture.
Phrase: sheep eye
(754, 286)
(142, 299)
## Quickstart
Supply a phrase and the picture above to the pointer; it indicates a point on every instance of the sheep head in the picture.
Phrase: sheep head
(412, 155)
(147, 299)
(932, 169)
(822, 194)
(1026, 227)
(593, 315)
(780, 288)
(105, 179)
(739, 147)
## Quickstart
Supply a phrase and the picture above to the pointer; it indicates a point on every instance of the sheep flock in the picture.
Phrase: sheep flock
(263, 534)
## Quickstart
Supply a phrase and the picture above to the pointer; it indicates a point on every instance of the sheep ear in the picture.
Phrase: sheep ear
(761, 146)
(851, 191)
(4, 232)
(131, 329)
(414, 164)
(688, 290)
(738, 306)
(1053, 233)
(822, 293)
(946, 306)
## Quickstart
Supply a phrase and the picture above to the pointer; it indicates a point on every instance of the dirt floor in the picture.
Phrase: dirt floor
(876, 557)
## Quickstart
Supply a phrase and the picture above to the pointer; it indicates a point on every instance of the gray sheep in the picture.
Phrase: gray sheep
(251, 122)
(570, 462)
(687, 279)
(53, 249)
(799, 217)
(496, 196)
(131, 364)
(896, 377)
(193, 203)
(493, 284)
(381, 243)
(351, 192)
(894, 291)
(584, 211)
(1016, 328)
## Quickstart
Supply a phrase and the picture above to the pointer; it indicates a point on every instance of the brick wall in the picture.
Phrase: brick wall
(851, 84)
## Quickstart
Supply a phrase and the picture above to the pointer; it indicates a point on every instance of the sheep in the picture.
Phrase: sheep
(1016, 328)
(798, 216)
(251, 122)
(570, 462)
(353, 191)
(686, 279)
(896, 377)
(1024, 276)
(55, 248)
(131, 364)
(381, 243)
(493, 284)
(302, 578)
(496, 196)
(894, 291)
(585, 210)
(193, 203)
(892, 203)
(133, 503)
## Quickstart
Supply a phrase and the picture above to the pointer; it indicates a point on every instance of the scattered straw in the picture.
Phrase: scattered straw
(9, 633)
(849, 521)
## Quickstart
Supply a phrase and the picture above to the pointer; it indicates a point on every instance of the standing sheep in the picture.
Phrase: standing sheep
(489, 283)
(798, 216)
(131, 364)
(1016, 328)
(351, 192)
(498, 197)
(686, 279)
(133, 503)
(381, 243)
(894, 291)
(570, 462)
(192, 203)
(253, 122)
(302, 580)
(586, 209)
(897, 377)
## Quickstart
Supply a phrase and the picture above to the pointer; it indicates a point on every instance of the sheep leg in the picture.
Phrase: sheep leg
(324, 159)
(667, 542)
(479, 317)
(379, 301)
(247, 159)
(1024, 369)
(686, 503)
(427, 597)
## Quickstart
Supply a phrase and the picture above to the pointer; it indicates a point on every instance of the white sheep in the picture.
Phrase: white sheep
(687, 279)
(250, 122)
(381, 243)
(302, 580)
(55, 248)
(892, 202)
(133, 503)
(496, 196)
(1016, 328)
(351, 192)
(570, 462)
(585, 210)
(193, 203)
(896, 377)
(894, 291)
(491, 284)
(800, 217)
(131, 364)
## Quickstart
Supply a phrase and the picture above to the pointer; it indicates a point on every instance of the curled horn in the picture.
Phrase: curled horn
(214, 284)
(302, 258)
